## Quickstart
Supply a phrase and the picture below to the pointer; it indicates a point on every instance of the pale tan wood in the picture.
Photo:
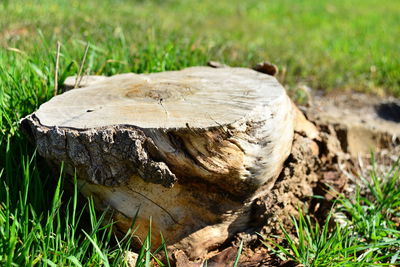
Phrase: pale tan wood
(198, 96)
(191, 148)
(85, 81)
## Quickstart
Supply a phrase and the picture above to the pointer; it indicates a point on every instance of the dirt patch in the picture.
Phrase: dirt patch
(364, 123)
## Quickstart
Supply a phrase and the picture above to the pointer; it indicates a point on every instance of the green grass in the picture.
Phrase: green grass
(327, 45)
(38, 228)
(368, 237)
(330, 46)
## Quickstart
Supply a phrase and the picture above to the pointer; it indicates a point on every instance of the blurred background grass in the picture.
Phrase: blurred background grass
(328, 45)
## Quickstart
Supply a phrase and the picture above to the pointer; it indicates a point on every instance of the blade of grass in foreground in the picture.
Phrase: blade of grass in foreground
(239, 252)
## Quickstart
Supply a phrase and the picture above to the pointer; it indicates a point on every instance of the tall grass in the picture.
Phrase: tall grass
(38, 228)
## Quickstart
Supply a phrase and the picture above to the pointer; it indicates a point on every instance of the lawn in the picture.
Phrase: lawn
(326, 45)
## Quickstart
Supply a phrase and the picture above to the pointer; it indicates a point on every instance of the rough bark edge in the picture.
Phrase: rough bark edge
(106, 156)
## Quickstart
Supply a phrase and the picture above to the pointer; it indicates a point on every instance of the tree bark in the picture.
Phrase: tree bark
(191, 149)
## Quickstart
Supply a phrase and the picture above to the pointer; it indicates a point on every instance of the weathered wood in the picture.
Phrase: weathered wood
(192, 149)
(85, 81)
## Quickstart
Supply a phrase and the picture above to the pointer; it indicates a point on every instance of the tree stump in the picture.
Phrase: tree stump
(192, 148)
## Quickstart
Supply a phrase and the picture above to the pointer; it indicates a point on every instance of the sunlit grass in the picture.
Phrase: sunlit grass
(326, 45)
(38, 228)
(369, 236)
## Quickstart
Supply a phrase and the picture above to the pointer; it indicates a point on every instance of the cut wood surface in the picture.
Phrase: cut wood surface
(200, 97)
(192, 149)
